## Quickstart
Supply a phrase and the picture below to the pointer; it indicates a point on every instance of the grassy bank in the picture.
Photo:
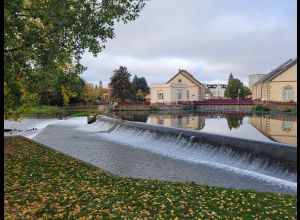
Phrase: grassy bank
(42, 183)
(56, 111)
(42, 111)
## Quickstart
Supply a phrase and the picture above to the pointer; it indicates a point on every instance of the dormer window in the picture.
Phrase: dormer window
(179, 81)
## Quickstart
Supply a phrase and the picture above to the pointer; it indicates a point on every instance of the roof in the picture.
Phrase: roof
(223, 86)
(187, 75)
(276, 72)
(258, 74)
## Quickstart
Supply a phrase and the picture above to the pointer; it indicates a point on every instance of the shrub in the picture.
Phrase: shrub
(262, 108)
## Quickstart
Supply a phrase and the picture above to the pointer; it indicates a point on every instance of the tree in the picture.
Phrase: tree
(233, 87)
(140, 83)
(246, 91)
(140, 95)
(121, 88)
(47, 36)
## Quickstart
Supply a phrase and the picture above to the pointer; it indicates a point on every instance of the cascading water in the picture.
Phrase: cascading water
(148, 152)
(186, 149)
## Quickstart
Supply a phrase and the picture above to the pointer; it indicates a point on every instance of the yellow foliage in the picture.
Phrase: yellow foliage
(67, 94)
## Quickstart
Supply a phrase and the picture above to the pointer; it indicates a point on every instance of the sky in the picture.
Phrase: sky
(208, 38)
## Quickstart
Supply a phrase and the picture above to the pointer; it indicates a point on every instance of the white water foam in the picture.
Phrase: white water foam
(39, 124)
(197, 153)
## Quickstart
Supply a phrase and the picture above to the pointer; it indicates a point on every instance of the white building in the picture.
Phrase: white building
(215, 91)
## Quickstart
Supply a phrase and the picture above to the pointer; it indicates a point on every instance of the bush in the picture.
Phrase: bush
(262, 108)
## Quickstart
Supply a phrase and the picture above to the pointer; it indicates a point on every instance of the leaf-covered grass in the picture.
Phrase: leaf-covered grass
(42, 183)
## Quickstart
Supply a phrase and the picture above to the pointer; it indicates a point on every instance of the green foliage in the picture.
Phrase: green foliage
(236, 89)
(44, 39)
(245, 91)
(262, 108)
(121, 88)
(140, 83)
(140, 95)
(234, 121)
(41, 183)
(40, 111)
(78, 114)
(92, 93)
(67, 94)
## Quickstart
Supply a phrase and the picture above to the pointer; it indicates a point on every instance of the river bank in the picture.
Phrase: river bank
(41, 182)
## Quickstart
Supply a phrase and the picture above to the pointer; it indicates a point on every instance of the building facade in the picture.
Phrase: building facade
(180, 88)
(215, 91)
(192, 122)
(280, 85)
(278, 128)
(253, 79)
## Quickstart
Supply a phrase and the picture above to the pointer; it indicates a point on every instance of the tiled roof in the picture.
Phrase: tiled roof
(184, 72)
(276, 72)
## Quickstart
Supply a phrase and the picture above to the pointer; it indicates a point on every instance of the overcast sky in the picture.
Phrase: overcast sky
(208, 38)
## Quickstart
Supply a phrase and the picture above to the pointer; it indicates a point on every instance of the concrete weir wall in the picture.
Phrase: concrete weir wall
(231, 108)
(284, 154)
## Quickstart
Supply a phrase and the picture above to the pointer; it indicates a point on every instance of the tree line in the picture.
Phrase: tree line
(44, 42)
(123, 89)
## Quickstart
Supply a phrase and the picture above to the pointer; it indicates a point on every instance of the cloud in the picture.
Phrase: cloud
(210, 39)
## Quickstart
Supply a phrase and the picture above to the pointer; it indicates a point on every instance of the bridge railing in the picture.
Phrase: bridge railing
(210, 102)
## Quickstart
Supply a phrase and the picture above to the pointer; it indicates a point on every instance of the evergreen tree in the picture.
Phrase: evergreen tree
(140, 83)
(121, 88)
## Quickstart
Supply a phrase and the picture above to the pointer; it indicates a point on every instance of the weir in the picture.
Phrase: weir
(141, 150)
(276, 156)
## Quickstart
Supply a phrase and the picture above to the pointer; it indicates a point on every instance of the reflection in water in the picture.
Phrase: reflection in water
(140, 116)
(193, 122)
(278, 128)
(234, 121)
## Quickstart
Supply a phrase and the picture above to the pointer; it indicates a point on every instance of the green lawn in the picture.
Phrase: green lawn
(55, 111)
(42, 111)
(42, 183)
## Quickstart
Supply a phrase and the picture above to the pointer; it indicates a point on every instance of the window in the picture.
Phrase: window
(179, 81)
(160, 95)
(179, 93)
(188, 94)
(287, 93)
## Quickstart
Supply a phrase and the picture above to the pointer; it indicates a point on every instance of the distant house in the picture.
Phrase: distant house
(180, 88)
(215, 91)
(280, 85)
